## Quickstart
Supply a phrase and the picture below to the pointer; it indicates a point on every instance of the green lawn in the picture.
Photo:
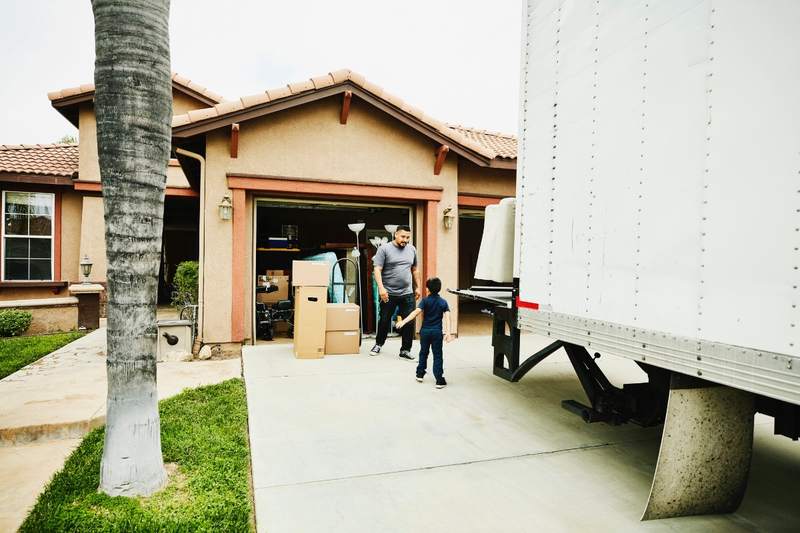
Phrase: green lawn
(205, 444)
(16, 352)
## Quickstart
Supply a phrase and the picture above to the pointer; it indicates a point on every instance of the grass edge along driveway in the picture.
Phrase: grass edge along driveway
(18, 352)
(205, 446)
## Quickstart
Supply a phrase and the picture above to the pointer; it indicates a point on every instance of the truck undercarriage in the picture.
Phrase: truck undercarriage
(707, 439)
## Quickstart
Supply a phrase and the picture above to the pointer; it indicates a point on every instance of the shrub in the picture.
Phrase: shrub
(184, 284)
(14, 322)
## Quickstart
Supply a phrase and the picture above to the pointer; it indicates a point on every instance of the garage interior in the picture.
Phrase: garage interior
(289, 230)
(472, 320)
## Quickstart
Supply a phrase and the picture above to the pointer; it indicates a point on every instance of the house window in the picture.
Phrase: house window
(28, 236)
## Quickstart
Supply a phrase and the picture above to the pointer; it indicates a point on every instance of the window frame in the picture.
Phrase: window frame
(52, 236)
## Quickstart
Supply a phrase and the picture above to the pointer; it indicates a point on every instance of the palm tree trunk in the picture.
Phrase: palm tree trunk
(133, 104)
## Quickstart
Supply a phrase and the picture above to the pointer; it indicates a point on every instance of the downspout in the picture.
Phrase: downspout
(202, 244)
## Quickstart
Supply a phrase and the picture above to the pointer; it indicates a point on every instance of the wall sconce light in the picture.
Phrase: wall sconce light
(86, 268)
(448, 217)
(226, 208)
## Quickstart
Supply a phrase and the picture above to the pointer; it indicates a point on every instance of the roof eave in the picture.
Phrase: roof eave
(194, 94)
(36, 179)
(67, 106)
(503, 163)
(212, 123)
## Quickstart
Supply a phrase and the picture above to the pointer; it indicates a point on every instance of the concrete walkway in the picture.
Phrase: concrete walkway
(353, 443)
(49, 405)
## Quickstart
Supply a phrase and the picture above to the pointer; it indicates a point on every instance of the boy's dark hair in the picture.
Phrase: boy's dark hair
(434, 285)
(403, 227)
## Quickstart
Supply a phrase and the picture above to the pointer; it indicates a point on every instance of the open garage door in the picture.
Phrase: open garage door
(472, 320)
(288, 230)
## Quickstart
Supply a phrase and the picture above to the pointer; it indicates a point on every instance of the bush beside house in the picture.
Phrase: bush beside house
(185, 284)
(14, 322)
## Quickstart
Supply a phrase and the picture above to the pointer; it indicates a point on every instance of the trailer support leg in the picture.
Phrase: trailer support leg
(506, 345)
(705, 452)
(640, 403)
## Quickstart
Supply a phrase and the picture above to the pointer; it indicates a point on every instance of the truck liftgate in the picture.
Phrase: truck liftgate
(706, 446)
(641, 403)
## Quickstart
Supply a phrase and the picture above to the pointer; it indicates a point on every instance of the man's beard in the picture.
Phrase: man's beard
(402, 244)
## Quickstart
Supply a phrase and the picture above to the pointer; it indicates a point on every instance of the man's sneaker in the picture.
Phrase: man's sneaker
(405, 354)
(441, 384)
(375, 350)
(419, 379)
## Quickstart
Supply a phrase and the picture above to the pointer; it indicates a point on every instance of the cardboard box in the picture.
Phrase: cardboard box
(281, 294)
(341, 342)
(271, 273)
(310, 274)
(342, 317)
(310, 313)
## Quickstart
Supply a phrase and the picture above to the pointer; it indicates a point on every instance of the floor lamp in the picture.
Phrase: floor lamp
(357, 228)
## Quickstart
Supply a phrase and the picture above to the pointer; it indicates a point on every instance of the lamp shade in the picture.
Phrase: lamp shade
(356, 227)
(86, 266)
(448, 217)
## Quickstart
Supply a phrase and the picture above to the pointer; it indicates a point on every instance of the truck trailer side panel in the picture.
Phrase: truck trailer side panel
(658, 200)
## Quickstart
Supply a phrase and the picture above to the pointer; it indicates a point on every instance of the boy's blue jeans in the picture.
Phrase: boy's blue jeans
(430, 339)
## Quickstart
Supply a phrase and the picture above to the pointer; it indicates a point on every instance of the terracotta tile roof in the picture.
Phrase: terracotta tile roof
(40, 159)
(487, 144)
(503, 144)
(88, 88)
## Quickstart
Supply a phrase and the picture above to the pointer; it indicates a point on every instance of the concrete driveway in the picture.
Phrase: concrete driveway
(353, 443)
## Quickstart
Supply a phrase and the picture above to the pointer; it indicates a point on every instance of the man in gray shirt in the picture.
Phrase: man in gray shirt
(398, 286)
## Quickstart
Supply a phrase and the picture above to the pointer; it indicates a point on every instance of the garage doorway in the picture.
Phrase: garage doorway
(288, 230)
(472, 319)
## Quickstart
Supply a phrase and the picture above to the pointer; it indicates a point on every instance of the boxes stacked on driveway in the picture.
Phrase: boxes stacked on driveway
(342, 334)
(310, 279)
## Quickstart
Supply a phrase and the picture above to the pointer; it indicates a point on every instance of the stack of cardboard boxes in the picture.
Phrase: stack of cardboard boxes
(310, 281)
(321, 328)
(342, 334)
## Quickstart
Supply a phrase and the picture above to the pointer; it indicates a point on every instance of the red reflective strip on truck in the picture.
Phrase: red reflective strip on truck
(529, 305)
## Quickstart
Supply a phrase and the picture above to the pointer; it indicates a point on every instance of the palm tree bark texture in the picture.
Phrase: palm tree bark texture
(133, 105)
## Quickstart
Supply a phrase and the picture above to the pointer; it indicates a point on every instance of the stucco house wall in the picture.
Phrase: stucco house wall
(89, 166)
(71, 205)
(483, 180)
(309, 142)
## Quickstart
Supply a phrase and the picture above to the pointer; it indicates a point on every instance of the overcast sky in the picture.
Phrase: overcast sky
(456, 60)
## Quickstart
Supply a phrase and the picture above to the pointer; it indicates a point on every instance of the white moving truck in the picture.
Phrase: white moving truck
(658, 219)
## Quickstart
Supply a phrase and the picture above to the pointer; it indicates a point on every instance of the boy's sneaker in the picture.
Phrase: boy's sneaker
(405, 354)
(419, 378)
(441, 384)
(375, 350)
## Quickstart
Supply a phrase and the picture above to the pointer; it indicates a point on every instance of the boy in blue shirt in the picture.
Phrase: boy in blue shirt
(435, 311)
